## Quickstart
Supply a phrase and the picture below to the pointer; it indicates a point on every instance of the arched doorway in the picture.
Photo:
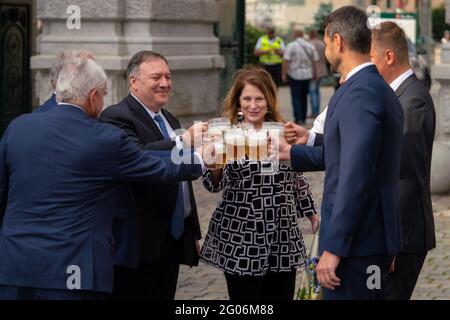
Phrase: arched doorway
(15, 35)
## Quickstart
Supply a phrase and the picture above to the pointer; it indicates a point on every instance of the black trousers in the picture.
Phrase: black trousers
(273, 286)
(151, 281)
(402, 281)
(355, 274)
(299, 97)
(26, 293)
(275, 72)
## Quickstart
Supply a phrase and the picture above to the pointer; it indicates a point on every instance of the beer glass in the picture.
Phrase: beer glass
(256, 145)
(219, 148)
(274, 129)
(216, 128)
(234, 144)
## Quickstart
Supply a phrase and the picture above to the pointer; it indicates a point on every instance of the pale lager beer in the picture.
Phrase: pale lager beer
(256, 146)
(234, 145)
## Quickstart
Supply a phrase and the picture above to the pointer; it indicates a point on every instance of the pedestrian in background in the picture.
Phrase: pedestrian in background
(321, 72)
(270, 49)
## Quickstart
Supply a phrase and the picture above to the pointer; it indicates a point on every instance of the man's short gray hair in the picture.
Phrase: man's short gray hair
(58, 63)
(77, 78)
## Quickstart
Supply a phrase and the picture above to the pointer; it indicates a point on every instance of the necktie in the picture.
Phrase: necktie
(177, 225)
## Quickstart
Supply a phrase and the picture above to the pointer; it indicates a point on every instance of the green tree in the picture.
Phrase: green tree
(319, 17)
(252, 35)
(438, 21)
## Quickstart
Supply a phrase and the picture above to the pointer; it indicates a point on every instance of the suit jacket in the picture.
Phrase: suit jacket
(361, 154)
(50, 104)
(59, 174)
(154, 202)
(417, 147)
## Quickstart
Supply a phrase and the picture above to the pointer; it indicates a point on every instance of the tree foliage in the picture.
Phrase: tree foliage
(438, 21)
(252, 35)
(319, 17)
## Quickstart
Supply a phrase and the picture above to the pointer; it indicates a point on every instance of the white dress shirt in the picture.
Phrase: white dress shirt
(319, 123)
(398, 82)
(357, 69)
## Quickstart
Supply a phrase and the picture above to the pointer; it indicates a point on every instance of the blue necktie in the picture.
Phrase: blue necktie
(177, 225)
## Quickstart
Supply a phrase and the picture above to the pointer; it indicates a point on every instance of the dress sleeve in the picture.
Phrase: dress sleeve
(208, 183)
(304, 199)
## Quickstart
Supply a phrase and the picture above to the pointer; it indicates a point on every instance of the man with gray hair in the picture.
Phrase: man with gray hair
(59, 176)
(166, 228)
(57, 66)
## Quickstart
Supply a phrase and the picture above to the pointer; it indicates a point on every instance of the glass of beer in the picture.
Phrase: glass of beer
(256, 144)
(234, 144)
(219, 149)
(216, 128)
(274, 129)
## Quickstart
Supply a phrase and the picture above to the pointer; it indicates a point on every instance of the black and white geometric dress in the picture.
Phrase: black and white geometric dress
(254, 228)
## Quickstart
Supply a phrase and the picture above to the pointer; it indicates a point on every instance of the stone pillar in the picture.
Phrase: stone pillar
(181, 30)
(440, 170)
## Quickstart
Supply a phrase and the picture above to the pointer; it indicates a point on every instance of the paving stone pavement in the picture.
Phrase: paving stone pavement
(207, 283)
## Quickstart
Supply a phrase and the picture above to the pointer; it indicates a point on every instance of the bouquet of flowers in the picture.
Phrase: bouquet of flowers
(310, 288)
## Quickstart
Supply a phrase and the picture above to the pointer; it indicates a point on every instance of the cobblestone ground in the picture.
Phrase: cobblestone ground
(207, 283)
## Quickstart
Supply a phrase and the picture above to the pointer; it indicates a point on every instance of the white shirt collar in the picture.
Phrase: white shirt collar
(398, 82)
(150, 112)
(357, 69)
(73, 105)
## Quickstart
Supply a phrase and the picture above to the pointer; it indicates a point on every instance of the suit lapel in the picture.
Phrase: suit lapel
(174, 123)
(340, 92)
(405, 84)
(143, 116)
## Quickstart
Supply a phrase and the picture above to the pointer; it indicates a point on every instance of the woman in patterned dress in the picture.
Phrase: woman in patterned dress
(254, 236)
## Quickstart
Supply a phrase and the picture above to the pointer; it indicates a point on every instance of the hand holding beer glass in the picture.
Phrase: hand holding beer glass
(275, 132)
(215, 135)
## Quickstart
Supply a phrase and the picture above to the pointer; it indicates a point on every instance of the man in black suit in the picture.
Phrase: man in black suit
(165, 214)
(390, 55)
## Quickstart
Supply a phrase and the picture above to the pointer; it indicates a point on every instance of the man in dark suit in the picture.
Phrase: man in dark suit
(56, 68)
(168, 222)
(390, 55)
(361, 230)
(59, 175)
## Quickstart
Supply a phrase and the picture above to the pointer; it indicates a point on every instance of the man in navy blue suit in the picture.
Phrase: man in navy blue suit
(361, 228)
(59, 176)
(57, 66)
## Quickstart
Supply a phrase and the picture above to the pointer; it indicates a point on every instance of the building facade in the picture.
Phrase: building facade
(114, 30)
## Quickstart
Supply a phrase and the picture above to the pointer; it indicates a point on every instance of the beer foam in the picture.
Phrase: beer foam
(219, 148)
(274, 132)
(257, 139)
(235, 139)
(216, 130)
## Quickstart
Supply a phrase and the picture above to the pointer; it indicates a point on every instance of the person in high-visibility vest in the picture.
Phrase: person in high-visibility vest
(270, 50)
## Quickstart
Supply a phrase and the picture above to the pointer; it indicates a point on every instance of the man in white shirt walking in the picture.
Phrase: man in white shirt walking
(299, 68)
